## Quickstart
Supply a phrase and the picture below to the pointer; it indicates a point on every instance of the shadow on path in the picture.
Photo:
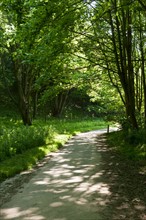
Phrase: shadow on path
(127, 186)
(83, 181)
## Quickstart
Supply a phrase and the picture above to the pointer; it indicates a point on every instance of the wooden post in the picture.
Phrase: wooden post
(107, 128)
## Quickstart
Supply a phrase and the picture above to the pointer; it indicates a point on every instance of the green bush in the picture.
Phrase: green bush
(15, 138)
(135, 137)
(20, 139)
(131, 143)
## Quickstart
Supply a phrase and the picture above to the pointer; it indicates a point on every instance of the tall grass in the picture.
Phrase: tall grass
(77, 125)
(21, 146)
(131, 144)
(19, 139)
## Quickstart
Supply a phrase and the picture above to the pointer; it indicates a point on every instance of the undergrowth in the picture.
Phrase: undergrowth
(130, 144)
(21, 147)
(17, 140)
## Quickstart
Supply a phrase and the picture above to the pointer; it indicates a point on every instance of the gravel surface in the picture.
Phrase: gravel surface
(127, 185)
(12, 185)
(85, 180)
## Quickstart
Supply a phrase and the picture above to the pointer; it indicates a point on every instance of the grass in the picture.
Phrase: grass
(130, 144)
(76, 126)
(22, 147)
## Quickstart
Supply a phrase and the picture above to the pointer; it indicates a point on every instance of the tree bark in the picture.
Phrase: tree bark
(59, 104)
(24, 84)
(122, 43)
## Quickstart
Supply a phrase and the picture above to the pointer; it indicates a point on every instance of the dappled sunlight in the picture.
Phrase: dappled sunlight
(74, 179)
(124, 198)
(76, 183)
(66, 185)
(16, 213)
(43, 182)
(140, 207)
(100, 188)
(56, 204)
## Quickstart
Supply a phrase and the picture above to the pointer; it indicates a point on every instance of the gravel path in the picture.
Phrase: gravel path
(82, 181)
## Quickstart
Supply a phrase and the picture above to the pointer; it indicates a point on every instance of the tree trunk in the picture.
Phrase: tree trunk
(24, 85)
(59, 104)
(143, 69)
(35, 99)
(122, 43)
(24, 106)
(25, 114)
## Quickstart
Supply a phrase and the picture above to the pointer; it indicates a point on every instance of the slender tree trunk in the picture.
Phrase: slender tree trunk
(35, 99)
(24, 89)
(122, 43)
(24, 106)
(143, 75)
(60, 102)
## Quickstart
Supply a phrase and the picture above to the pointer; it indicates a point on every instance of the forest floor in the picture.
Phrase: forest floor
(85, 180)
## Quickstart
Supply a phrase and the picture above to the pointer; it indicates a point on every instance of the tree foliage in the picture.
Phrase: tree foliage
(49, 48)
(117, 45)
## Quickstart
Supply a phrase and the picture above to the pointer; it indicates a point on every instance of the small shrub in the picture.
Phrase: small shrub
(20, 139)
(17, 138)
(135, 137)
(131, 144)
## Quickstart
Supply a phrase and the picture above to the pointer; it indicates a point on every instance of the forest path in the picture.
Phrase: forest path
(82, 181)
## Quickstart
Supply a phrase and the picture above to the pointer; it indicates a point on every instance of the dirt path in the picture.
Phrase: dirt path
(83, 181)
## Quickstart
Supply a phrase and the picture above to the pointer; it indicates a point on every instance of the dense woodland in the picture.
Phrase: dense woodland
(58, 55)
(66, 60)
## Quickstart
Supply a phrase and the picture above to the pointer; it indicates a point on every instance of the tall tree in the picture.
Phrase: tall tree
(112, 34)
(38, 33)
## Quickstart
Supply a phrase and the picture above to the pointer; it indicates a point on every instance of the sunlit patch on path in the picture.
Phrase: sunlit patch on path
(75, 184)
